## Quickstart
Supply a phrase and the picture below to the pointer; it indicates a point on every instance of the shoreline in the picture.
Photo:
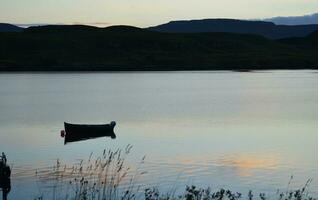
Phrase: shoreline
(66, 69)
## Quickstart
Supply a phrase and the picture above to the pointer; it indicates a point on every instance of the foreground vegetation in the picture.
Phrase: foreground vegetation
(107, 177)
(118, 48)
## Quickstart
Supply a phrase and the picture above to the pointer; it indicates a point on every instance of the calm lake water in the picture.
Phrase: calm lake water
(238, 130)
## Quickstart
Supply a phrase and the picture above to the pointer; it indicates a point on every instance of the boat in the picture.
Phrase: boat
(5, 173)
(79, 132)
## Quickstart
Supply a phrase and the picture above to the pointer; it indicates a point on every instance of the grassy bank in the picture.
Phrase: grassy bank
(108, 177)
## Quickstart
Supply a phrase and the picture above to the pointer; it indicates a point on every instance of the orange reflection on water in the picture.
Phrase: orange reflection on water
(245, 164)
(242, 165)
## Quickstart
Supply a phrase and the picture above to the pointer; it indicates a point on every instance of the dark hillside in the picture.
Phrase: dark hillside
(9, 28)
(309, 42)
(266, 29)
(129, 48)
(60, 29)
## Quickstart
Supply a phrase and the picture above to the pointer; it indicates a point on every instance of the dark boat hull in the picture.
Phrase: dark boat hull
(78, 132)
(5, 173)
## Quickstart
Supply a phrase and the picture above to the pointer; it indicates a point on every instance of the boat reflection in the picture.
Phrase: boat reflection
(5, 186)
(80, 132)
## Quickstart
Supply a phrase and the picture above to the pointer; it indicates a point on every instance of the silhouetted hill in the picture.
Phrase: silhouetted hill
(295, 20)
(60, 28)
(122, 28)
(266, 29)
(130, 48)
(78, 28)
(9, 28)
(311, 41)
(313, 36)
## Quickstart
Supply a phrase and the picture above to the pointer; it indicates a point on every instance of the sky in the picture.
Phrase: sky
(144, 13)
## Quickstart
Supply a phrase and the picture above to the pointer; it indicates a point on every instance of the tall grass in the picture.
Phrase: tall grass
(107, 177)
(103, 177)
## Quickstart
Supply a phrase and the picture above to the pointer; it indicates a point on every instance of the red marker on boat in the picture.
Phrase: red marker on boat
(62, 133)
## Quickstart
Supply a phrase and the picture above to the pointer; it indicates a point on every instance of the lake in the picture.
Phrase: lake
(237, 130)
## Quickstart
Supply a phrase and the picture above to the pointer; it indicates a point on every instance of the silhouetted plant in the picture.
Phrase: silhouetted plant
(107, 178)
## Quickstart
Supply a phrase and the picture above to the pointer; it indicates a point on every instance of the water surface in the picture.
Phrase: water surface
(238, 130)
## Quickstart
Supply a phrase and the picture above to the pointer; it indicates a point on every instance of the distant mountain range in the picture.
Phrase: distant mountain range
(78, 47)
(266, 29)
(295, 20)
(9, 28)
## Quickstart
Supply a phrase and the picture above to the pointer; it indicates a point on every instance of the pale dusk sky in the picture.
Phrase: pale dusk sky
(143, 13)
